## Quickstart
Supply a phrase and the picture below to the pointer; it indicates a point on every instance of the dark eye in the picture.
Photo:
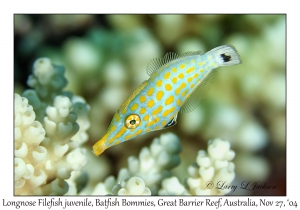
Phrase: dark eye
(132, 121)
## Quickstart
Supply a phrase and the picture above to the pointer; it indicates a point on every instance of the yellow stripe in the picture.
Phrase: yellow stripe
(174, 80)
(167, 112)
(117, 117)
(134, 107)
(168, 87)
(142, 99)
(169, 100)
(190, 70)
(150, 91)
(142, 111)
(179, 89)
(190, 79)
(159, 95)
(150, 103)
(148, 129)
(156, 111)
(120, 133)
(146, 118)
(133, 135)
(184, 92)
(167, 75)
(158, 83)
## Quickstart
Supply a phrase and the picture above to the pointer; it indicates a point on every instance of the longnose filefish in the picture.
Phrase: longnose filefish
(176, 84)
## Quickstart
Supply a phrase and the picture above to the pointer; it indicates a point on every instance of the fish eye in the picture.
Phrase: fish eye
(132, 121)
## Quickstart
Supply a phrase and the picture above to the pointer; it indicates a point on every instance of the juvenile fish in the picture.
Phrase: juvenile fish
(176, 84)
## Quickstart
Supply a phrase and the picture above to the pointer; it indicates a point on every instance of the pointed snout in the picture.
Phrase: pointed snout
(100, 146)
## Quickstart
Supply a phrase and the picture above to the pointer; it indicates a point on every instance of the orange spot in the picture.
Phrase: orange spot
(174, 80)
(182, 66)
(192, 85)
(167, 75)
(168, 87)
(158, 83)
(196, 75)
(150, 103)
(178, 102)
(167, 112)
(146, 118)
(164, 123)
(190, 70)
(174, 69)
(190, 79)
(142, 99)
(159, 95)
(142, 111)
(181, 75)
(169, 100)
(179, 89)
(150, 91)
(156, 111)
(134, 107)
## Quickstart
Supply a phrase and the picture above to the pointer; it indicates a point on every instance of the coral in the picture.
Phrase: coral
(151, 167)
(172, 186)
(131, 186)
(212, 169)
(150, 174)
(44, 154)
(154, 163)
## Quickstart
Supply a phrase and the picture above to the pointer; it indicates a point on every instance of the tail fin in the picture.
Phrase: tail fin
(226, 55)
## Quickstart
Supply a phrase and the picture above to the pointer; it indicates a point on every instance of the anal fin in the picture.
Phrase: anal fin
(199, 93)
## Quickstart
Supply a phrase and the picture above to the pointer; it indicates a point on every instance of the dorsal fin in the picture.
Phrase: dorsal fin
(156, 63)
(199, 93)
(189, 53)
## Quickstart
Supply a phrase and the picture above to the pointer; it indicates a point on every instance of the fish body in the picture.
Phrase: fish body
(176, 84)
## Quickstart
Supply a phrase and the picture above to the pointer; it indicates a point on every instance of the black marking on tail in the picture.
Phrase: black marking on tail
(226, 58)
